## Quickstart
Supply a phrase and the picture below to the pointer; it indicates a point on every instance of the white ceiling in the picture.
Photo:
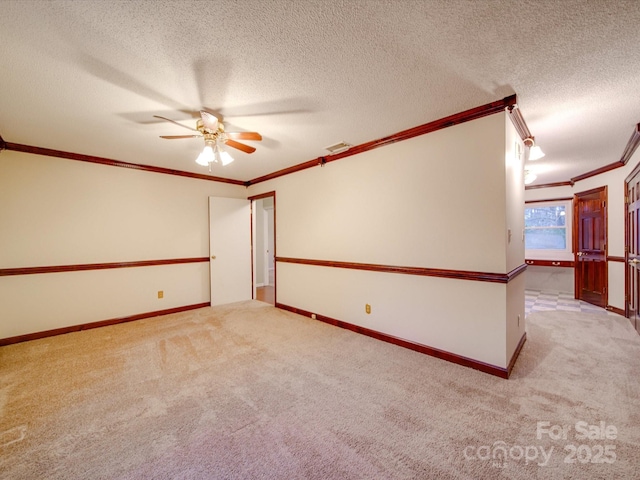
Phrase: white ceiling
(88, 76)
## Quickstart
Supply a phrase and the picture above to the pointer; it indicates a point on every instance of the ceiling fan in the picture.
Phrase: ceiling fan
(215, 138)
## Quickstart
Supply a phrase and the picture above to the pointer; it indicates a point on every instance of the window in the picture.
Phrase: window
(547, 231)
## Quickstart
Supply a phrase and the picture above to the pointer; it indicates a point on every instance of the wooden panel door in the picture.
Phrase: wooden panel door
(632, 249)
(590, 222)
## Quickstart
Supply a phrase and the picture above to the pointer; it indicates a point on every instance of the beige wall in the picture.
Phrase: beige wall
(557, 279)
(62, 212)
(434, 201)
(514, 204)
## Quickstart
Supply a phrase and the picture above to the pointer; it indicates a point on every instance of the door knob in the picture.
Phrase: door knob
(213, 257)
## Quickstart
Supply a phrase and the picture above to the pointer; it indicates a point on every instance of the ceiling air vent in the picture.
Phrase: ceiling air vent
(338, 147)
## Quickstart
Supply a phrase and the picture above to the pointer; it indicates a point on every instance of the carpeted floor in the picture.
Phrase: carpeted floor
(249, 391)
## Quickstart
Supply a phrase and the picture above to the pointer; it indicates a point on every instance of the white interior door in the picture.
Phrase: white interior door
(265, 247)
(230, 250)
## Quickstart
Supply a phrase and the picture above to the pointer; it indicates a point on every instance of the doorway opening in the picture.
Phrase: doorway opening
(263, 213)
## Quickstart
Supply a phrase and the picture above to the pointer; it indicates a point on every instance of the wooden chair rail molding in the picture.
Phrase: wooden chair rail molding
(4, 272)
(420, 271)
(559, 199)
(565, 263)
(434, 352)
(549, 185)
(550, 263)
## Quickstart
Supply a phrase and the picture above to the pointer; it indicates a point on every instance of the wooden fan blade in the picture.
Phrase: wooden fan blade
(245, 135)
(173, 121)
(209, 121)
(174, 137)
(240, 146)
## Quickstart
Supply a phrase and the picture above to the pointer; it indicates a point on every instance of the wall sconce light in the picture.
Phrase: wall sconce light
(535, 152)
(529, 177)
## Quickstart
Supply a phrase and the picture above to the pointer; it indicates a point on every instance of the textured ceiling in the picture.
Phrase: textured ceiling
(88, 76)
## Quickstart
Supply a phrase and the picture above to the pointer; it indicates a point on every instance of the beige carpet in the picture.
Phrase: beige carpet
(249, 391)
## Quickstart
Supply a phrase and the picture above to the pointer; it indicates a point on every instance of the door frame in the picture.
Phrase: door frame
(576, 231)
(627, 201)
(265, 254)
(275, 249)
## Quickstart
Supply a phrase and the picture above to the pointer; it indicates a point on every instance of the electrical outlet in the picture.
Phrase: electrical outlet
(160, 293)
(367, 308)
(313, 316)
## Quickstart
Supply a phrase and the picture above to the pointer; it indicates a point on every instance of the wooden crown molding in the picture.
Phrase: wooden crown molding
(518, 122)
(583, 176)
(628, 152)
(521, 127)
(17, 147)
(631, 146)
(508, 103)
(597, 171)
(451, 120)
(6, 272)
(286, 171)
(419, 271)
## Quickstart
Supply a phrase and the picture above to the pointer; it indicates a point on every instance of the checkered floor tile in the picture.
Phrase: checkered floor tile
(540, 301)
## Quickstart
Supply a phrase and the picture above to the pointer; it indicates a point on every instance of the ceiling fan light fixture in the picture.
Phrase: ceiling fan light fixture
(225, 158)
(207, 155)
(202, 159)
(215, 139)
